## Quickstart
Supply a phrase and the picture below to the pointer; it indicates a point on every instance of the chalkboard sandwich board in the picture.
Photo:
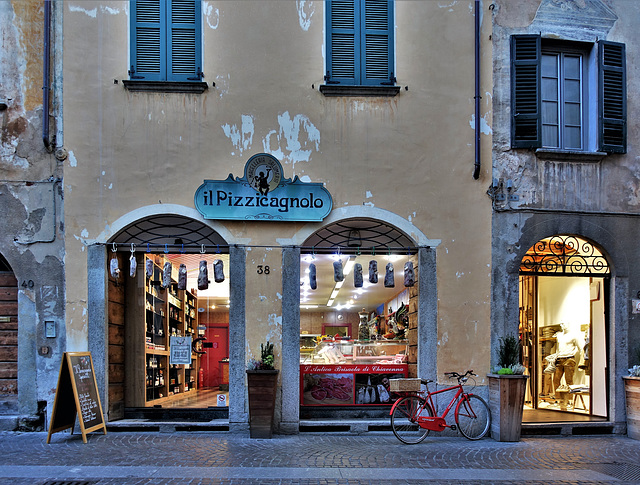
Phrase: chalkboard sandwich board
(77, 395)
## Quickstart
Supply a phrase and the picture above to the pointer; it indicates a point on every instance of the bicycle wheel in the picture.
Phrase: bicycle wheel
(404, 419)
(473, 416)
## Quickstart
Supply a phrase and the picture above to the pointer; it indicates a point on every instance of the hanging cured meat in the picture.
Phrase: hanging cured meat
(388, 277)
(203, 276)
(338, 274)
(133, 265)
(409, 274)
(166, 275)
(357, 275)
(182, 277)
(313, 283)
(373, 271)
(218, 271)
(149, 268)
(113, 267)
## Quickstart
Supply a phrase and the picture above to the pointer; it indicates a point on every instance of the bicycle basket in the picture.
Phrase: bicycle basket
(404, 385)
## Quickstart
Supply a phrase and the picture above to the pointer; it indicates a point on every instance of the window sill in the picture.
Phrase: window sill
(569, 155)
(165, 86)
(341, 90)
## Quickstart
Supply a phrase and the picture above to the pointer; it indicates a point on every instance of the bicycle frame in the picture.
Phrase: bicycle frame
(435, 423)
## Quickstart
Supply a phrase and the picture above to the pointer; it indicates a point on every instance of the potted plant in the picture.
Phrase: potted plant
(632, 397)
(507, 386)
(262, 379)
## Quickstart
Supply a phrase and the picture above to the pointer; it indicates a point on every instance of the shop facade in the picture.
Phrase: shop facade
(563, 250)
(387, 167)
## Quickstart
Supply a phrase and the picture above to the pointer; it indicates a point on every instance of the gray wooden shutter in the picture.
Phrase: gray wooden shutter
(526, 120)
(612, 97)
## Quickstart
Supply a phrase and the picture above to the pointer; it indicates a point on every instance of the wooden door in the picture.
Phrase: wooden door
(217, 348)
(8, 333)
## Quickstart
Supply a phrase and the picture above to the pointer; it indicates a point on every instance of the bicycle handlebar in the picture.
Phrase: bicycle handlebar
(458, 375)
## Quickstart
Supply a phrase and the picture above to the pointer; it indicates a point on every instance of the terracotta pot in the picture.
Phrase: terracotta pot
(262, 386)
(506, 399)
(632, 395)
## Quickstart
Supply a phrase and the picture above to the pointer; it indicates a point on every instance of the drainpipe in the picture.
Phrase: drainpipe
(46, 75)
(476, 169)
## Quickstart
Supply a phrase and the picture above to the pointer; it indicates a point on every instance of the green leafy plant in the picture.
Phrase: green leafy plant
(509, 356)
(266, 358)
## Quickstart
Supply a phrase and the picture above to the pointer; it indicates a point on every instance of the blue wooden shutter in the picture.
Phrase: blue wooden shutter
(343, 43)
(526, 120)
(612, 97)
(148, 52)
(377, 39)
(184, 41)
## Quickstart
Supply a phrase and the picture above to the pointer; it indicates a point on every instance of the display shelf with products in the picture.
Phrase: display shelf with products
(155, 315)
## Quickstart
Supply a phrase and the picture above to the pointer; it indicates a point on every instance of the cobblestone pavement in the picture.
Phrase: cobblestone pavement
(231, 458)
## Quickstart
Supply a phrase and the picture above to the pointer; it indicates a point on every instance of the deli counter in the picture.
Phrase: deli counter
(344, 372)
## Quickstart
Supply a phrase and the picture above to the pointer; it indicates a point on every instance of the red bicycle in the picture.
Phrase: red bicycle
(413, 416)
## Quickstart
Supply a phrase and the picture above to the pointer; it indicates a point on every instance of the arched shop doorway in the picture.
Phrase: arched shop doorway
(564, 283)
(359, 297)
(168, 318)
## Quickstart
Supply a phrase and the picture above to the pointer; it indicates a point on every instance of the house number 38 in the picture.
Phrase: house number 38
(263, 269)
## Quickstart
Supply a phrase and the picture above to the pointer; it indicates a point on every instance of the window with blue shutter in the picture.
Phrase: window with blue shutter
(360, 43)
(552, 103)
(166, 40)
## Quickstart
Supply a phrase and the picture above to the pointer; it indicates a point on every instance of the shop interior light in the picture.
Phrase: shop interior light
(330, 302)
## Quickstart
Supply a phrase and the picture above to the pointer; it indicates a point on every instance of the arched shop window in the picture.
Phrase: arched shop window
(563, 289)
(176, 349)
(358, 328)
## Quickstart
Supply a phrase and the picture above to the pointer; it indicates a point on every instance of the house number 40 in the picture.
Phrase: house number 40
(263, 269)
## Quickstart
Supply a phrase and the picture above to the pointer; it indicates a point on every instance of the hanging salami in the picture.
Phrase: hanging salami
(357, 275)
(166, 275)
(182, 277)
(388, 277)
(313, 283)
(218, 271)
(409, 274)
(338, 274)
(133, 265)
(203, 276)
(149, 268)
(113, 267)
(373, 271)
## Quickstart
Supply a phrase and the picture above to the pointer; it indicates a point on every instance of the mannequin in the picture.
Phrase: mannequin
(564, 359)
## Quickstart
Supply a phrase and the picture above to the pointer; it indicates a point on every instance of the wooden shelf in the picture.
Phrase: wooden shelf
(162, 311)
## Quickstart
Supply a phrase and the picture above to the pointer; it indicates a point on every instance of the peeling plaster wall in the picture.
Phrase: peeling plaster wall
(31, 194)
(596, 200)
(412, 154)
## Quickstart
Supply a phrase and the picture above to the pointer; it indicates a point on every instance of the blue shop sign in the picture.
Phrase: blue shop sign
(263, 194)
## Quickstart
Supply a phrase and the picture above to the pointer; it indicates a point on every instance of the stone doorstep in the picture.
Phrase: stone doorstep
(359, 426)
(9, 423)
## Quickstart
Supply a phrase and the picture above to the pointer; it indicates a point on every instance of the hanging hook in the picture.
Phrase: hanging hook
(218, 249)
(408, 251)
(113, 247)
(166, 248)
(389, 251)
(182, 248)
(133, 249)
(358, 251)
(148, 249)
(202, 250)
(373, 250)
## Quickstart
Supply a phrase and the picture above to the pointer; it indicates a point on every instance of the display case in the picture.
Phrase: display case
(348, 372)
(327, 351)
(380, 351)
